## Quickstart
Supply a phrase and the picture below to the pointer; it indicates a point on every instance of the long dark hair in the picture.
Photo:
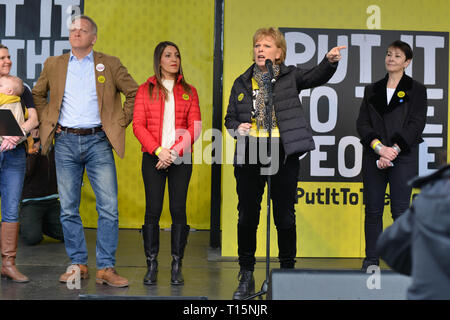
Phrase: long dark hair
(158, 74)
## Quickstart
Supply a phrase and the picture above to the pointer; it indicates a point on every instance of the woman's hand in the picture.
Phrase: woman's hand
(388, 153)
(9, 142)
(334, 55)
(244, 128)
(174, 155)
(165, 159)
(161, 165)
(384, 163)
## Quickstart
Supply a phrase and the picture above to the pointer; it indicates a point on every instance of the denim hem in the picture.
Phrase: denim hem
(104, 267)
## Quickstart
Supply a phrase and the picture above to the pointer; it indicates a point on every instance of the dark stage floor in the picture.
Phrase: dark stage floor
(206, 274)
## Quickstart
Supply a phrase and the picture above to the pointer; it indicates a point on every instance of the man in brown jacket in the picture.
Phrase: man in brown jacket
(84, 115)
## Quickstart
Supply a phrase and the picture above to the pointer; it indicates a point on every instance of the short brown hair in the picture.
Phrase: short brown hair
(89, 19)
(277, 36)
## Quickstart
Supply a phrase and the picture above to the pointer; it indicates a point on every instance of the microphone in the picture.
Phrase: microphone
(269, 67)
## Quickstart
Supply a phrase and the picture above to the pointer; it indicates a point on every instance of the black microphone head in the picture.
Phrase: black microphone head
(269, 67)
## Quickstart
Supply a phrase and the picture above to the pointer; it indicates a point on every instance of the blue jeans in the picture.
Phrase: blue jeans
(12, 173)
(73, 154)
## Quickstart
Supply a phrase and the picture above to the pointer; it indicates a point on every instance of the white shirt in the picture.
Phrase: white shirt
(389, 94)
(168, 130)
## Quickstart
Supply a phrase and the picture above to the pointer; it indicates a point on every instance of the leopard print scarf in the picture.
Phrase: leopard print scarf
(259, 112)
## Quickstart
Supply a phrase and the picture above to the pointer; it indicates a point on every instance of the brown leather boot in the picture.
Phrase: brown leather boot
(111, 278)
(84, 274)
(10, 234)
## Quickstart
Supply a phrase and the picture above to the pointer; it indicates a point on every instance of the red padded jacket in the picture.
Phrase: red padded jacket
(148, 117)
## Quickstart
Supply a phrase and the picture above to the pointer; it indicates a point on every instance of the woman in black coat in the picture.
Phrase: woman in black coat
(247, 121)
(390, 124)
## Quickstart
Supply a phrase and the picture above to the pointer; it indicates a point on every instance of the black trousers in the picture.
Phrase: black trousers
(250, 186)
(375, 182)
(178, 177)
(38, 218)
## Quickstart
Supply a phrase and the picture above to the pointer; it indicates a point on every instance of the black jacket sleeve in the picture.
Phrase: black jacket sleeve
(364, 125)
(411, 132)
(316, 76)
(231, 118)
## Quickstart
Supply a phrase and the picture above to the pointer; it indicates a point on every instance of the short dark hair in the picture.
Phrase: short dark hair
(2, 46)
(406, 49)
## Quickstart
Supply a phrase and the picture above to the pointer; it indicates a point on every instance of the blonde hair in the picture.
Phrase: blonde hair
(15, 83)
(277, 36)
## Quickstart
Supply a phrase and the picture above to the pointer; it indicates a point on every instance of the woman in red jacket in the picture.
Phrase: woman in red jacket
(166, 121)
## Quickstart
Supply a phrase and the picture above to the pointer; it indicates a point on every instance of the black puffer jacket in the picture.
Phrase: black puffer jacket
(295, 131)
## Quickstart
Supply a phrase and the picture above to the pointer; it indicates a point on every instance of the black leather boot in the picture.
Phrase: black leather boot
(150, 234)
(246, 285)
(287, 247)
(179, 235)
(369, 262)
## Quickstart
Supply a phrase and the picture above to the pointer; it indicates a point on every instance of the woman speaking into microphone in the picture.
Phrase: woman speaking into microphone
(249, 122)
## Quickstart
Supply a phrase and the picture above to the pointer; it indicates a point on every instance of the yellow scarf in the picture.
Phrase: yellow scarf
(5, 98)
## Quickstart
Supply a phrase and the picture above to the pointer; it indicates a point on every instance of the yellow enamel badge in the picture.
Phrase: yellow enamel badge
(101, 79)
(185, 96)
(401, 94)
(240, 97)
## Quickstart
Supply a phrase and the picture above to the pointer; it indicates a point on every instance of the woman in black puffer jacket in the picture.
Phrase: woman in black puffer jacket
(291, 134)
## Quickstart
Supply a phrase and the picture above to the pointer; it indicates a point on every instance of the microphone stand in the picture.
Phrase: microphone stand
(269, 107)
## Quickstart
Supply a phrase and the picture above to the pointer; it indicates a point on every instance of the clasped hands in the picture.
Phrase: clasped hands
(9, 143)
(166, 158)
(387, 155)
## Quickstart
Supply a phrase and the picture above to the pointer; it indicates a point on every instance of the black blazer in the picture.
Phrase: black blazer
(295, 131)
(401, 122)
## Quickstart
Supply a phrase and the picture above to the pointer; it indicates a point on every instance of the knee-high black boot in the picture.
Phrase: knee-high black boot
(179, 235)
(150, 234)
(287, 247)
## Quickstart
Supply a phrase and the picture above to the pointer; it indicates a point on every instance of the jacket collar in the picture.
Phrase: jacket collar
(401, 94)
(152, 79)
(248, 74)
